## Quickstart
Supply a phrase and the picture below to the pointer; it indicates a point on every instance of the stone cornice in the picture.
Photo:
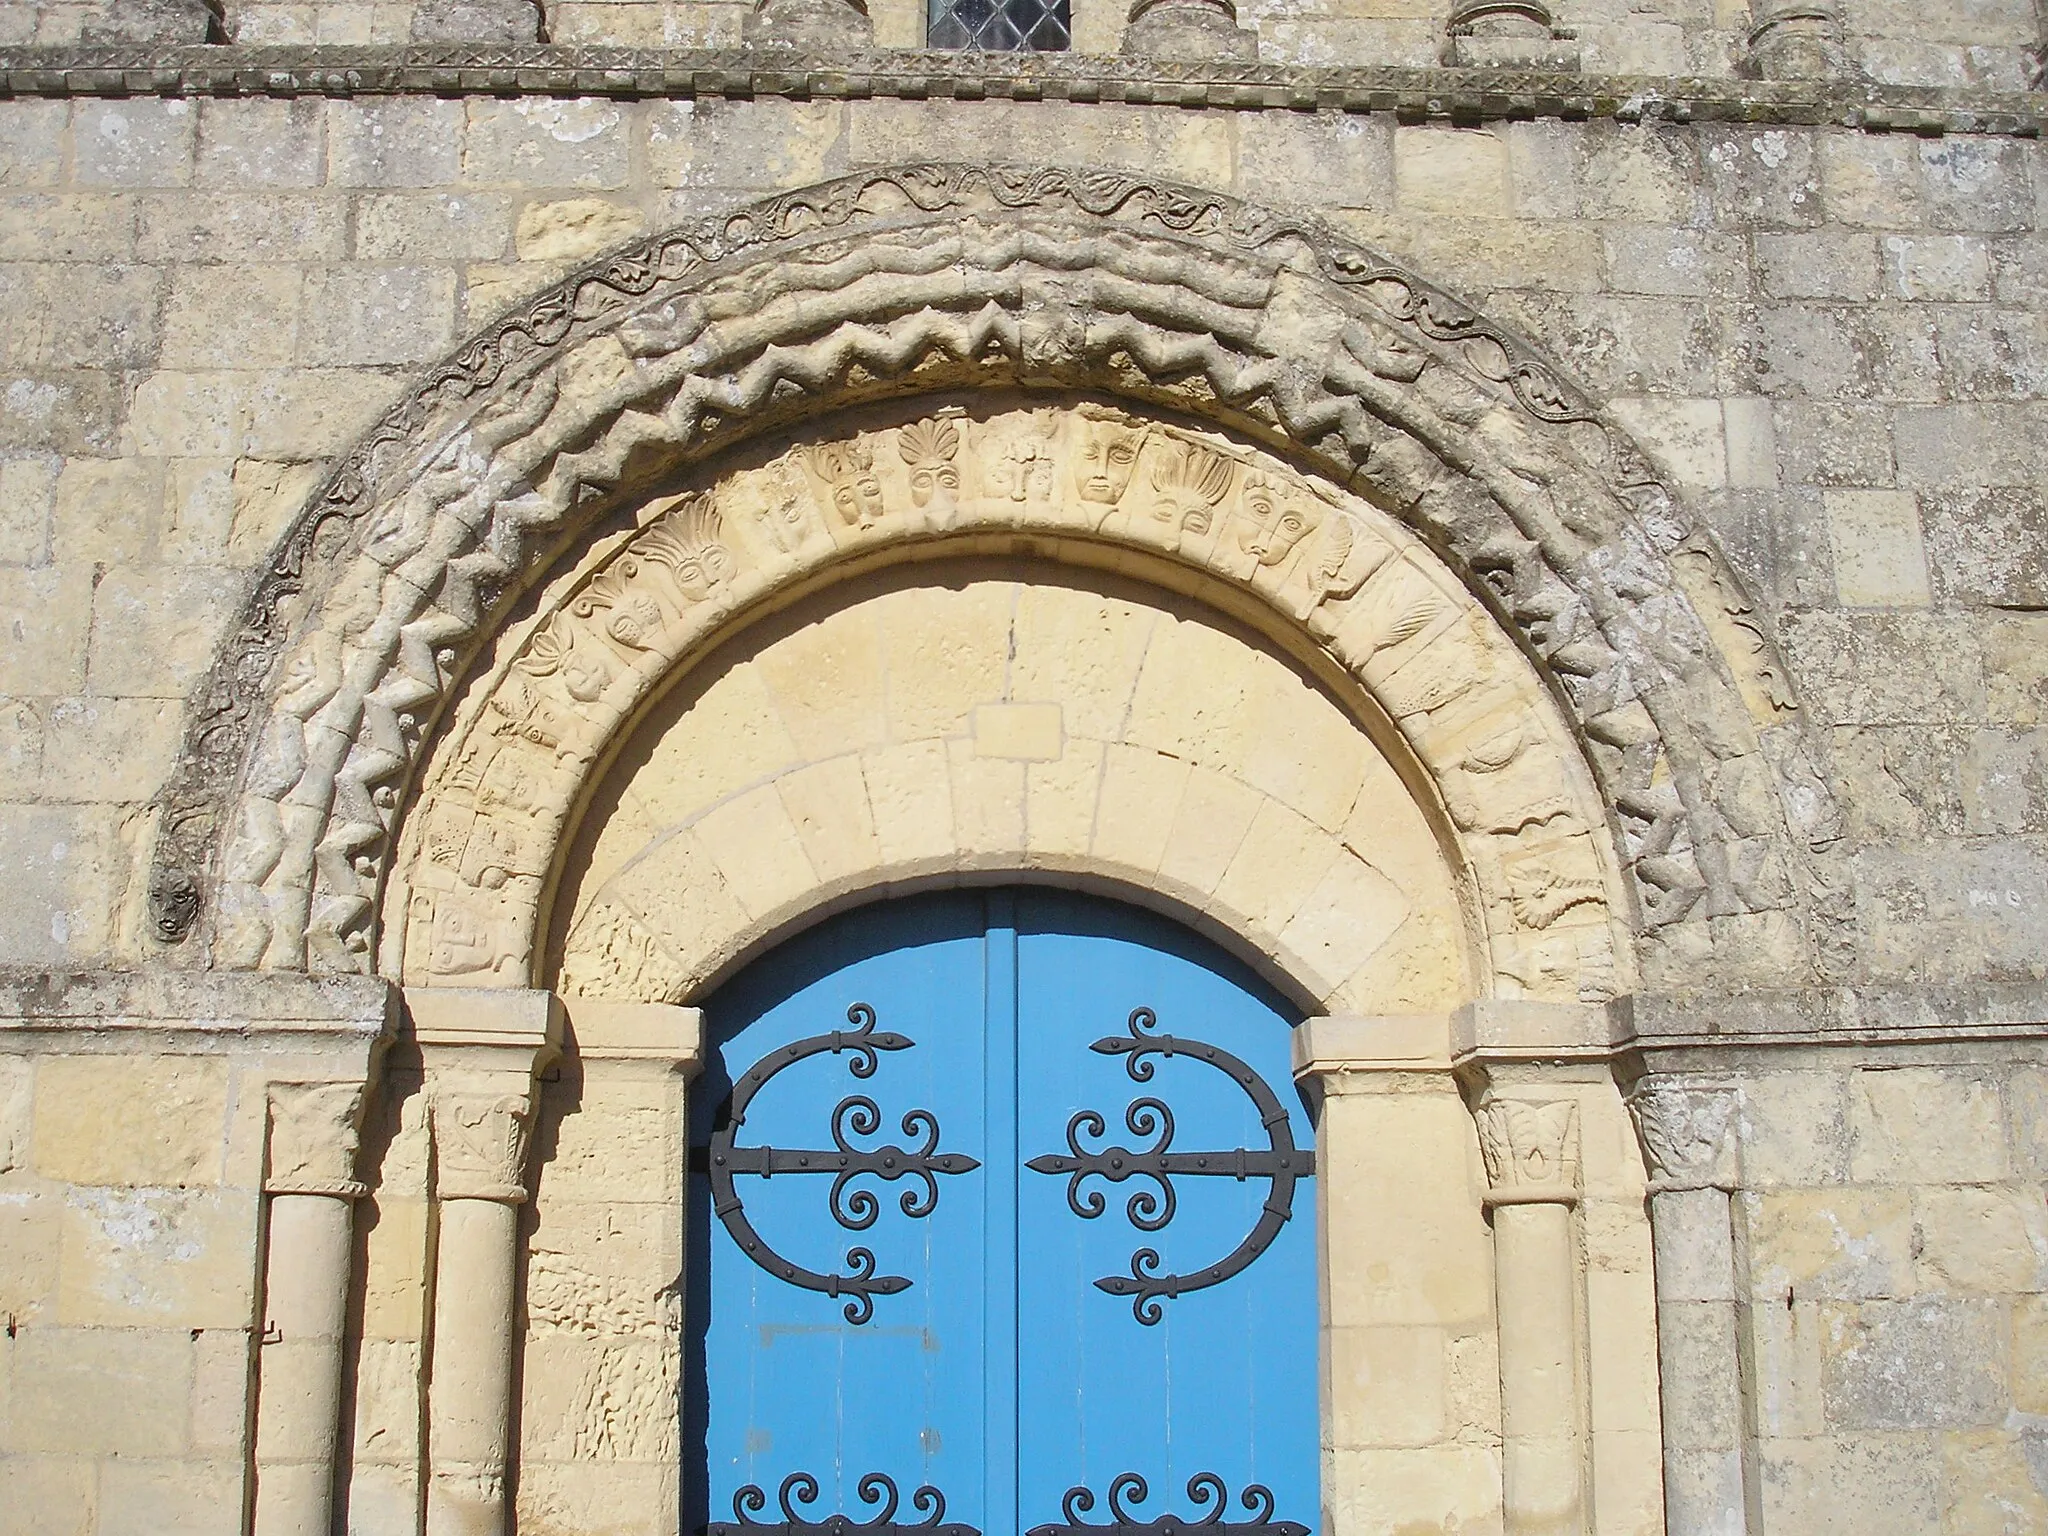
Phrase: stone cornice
(196, 1012)
(1456, 95)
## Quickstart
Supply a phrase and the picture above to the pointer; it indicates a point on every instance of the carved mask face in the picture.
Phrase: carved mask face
(1276, 523)
(858, 499)
(1104, 458)
(936, 488)
(703, 571)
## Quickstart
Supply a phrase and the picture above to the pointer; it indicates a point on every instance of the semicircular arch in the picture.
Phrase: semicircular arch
(301, 750)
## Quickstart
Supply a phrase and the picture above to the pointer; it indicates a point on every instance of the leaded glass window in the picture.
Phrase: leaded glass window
(1002, 26)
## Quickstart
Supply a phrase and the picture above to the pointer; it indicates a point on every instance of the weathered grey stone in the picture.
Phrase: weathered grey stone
(810, 24)
(1188, 29)
(152, 21)
(1928, 1363)
(476, 21)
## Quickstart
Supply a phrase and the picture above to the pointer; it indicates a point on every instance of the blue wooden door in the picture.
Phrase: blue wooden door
(1000, 1222)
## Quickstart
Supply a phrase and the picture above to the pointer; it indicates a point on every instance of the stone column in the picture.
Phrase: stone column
(1796, 40)
(1407, 1290)
(480, 1050)
(816, 24)
(1507, 34)
(1188, 29)
(312, 1189)
(1529, 1139)
(1688, 1141)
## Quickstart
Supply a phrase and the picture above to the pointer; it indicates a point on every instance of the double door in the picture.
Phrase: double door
(1002, 1221)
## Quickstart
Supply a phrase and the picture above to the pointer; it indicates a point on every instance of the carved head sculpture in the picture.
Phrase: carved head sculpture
(1024, 470)
(1188, 483)
(561, 651)
(849, 469)
(630, 616)
(931, 448)
(462, 942)
(1105, 453)
(688, 542)
(1274, 522)
(785, 515)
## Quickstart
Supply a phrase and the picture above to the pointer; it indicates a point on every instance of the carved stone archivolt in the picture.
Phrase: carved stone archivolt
(302, 749)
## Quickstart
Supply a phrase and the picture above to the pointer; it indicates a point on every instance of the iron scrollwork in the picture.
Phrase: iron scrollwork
(802, 1488)
(1204, 1488)
(854, 1209)
(1280, 1162)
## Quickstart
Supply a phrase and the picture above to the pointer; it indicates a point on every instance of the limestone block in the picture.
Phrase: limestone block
(476, 21)
(1346, 918)
(1976, 185)
(1925, 1124)
(255, 143)
(233, 317)
(1874, 1485)
(1928, 1363)
(48, 1496)
(1830, 1242)
(828, 685)
(611, 1400)
(1449, 1488)
(86, 1391)
(1451, 170)
(828, 805)
(27, 498)
(1880, 559)
(1641, 178)
(752, 145)
(1212, 816)
(1991, 1485)
(1981, 1241)
(1688, 437)
(355, 316)
(755, 845)
(32, 144)
(629, 1498)
(1786, 1346)
(1061, 797)
(1401, 1163)
(1986, 547)
(956, 644)
(79, 315)
(267, 226)
(394, 141)
(541, 142)
(911, 796)
(44, 618)
(574, 228)
(433, 226)
(620, 1144)
(732, 735)
(170, 1498)
(2030, 1354)
(1354, 155)
(220, 1389)
(154, 629)
(1141, 800)
(130, 1121)
(1954, 269)
(1628, 1482)
(1835, 443)
(987, 795)
(157, 1258)
(1824, 264)
(79, 227)
(1387, 1387)
(29, 1246)
(136, 142)
(62, 862)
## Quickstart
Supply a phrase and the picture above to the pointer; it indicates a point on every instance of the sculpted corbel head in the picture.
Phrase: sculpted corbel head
(1274, 521)
(848, 469)
(1105, 456)
(689, 543)
(1188, 484)
(931, 450)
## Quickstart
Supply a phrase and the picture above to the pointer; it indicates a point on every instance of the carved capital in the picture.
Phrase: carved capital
(1531, 1147)
(481, 1130)
(1688, 1134)
(1187, 29)
(1796, 40)
(313, 1135)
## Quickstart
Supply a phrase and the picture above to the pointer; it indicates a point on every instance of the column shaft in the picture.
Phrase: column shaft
(470, 1407)
(1542, 1444)
(299, 1398)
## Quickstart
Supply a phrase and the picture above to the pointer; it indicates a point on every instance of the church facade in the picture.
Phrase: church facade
(788, 768)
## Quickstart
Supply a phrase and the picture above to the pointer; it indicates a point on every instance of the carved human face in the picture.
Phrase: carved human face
(786, 521)
(1275, 522)
(1104, 457)
(703, 570)
(935, 486)
(857, 498)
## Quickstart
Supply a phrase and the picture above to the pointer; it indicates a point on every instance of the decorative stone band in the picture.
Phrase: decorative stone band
(810, 74)
(313, 1135)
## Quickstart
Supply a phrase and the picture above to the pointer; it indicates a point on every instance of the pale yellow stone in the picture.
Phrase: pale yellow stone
(1387, 1387)
(131, 1120)
(730, 737)
(910, 793)
(30, 1241)
(988, 807)
(2030, 1354)
(1446, 1488)
(1211, 817)
(574, 229)
(1141, 798)
(1831, 1242)
(828, 802)
(1346, 918)
(1281, 859)
(755, 845)
(1925, 1125)
(828, 684)
(395, 1268)
(1028, 733)
(1621, 1331)
(1981, 1240)
(1061, 800)
(944, 651)
(1083, 649)
(1451, 170)
(1992, 1487)
(157, 1258)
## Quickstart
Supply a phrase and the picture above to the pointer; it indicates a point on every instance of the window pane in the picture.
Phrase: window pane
(1008, 26)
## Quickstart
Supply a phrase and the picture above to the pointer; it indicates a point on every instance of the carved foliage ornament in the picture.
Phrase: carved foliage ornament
(376, 598)
(1531, 1148)
(480, 1140)
(1687, 1133)
(314, 1132)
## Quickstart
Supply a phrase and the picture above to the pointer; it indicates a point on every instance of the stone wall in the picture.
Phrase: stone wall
(1830, 338)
